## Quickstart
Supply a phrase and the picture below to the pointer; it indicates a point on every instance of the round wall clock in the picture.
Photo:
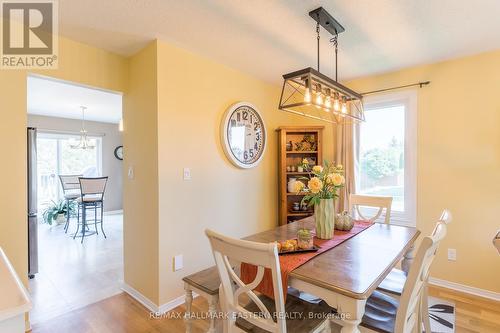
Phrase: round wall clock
(119, 153)
(243, 135)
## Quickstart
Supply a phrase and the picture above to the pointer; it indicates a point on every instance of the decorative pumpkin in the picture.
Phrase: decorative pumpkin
(343, 221)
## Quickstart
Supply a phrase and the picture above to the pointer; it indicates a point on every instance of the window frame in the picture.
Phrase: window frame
(58, 136)
(409, 99)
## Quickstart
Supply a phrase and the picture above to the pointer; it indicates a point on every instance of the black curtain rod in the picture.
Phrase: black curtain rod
(420, 84)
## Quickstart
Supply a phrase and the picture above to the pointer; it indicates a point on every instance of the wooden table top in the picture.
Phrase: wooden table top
(355, 267)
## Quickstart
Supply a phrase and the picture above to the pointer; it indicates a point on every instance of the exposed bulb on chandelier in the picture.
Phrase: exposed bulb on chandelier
(319, 97)
(328, 102)
(344, 106)
(307, 95)
(336, 102)
(319, 100)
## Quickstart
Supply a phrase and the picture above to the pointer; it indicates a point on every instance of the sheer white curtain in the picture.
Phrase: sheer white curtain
(347, 152)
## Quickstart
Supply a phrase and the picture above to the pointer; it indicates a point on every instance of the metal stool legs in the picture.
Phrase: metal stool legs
(95, 219)
(77, 221)
(99, 205)
(85, 231)
(66, 226)
(102, 219)
(84, 221)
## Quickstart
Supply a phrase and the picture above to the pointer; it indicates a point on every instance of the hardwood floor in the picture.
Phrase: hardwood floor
(121, 313)
(73, 275)
(473, 314)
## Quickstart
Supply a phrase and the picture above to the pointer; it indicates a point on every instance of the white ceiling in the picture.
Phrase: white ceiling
(267, 38)
(53, 98)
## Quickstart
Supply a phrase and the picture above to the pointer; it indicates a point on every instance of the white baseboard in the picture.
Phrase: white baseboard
(151, 306)
(172, 304)
(113, 212)
(175, 303)
(465, 289)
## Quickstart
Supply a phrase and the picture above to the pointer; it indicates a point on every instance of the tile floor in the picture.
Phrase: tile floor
(73, 275)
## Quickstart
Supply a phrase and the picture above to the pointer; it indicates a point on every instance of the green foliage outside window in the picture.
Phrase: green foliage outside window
(383, 162)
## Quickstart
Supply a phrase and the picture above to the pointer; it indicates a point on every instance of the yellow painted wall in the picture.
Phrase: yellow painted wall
(458, 160)
(140, 141)
(194, 92)
(173, 104)
(79, 63)
(13, 224)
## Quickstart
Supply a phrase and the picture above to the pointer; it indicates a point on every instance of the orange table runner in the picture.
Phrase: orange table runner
(289, 262)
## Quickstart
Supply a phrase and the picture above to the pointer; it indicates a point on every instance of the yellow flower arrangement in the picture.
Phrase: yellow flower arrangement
(315, 185)
(317, 169)
(298, 186)
(335, 179)
(324, 183)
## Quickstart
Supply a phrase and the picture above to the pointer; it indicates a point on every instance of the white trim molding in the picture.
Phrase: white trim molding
(150, 305)
(174, 303)
(465, 289)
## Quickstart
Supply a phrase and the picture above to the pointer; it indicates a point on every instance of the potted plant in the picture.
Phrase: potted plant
(322, 190)
(58, 211)
(303, 166)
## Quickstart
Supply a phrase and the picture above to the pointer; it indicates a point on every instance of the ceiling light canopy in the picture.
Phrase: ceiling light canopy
(310, 93)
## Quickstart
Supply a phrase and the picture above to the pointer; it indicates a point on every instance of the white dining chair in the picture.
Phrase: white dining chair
(254, 312)
(381, 202)
(395, 282)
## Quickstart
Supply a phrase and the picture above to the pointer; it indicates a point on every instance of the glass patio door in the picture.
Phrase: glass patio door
(56, 157)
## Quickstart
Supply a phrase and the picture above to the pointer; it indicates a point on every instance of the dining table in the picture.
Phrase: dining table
(346, 275)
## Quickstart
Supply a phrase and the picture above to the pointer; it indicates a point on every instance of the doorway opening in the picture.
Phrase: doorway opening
(75, 212)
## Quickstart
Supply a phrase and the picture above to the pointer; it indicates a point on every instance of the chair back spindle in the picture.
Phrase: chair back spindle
(356, 201)
(407, 316)
(228, 250)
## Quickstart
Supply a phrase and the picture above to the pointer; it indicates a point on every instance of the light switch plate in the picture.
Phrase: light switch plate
(186, 174)
(452, 254)
(178, 262)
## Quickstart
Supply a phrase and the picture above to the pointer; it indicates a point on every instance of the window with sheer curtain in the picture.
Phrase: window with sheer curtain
(387, 150)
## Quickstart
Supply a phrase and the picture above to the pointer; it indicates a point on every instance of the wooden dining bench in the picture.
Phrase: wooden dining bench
(205, 283)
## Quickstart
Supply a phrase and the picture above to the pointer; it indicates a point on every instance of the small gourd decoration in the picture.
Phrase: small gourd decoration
(343, 221)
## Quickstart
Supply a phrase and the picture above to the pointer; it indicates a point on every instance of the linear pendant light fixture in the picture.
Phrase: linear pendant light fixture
(310, 93)
(85, 142)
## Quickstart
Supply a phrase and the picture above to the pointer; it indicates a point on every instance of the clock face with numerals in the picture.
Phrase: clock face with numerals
(244, 135)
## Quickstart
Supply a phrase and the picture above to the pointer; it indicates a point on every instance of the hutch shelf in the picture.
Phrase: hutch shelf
(295, 144)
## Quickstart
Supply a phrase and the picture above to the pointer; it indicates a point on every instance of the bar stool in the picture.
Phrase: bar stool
(71, 190)
(92, 197)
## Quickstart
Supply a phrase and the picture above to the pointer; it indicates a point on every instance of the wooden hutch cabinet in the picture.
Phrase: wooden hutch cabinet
(296, 144)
